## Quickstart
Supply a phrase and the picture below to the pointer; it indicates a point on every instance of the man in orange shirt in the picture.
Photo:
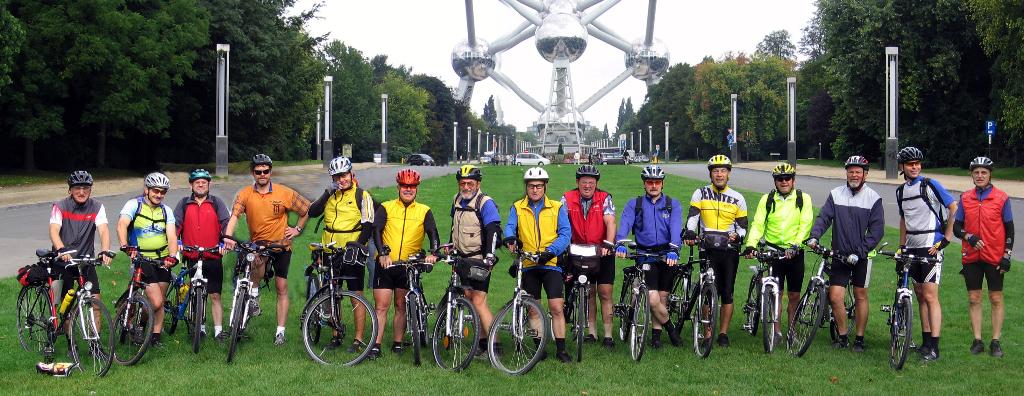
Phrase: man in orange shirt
(266, 208)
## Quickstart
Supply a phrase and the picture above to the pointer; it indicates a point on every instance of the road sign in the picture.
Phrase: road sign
(990, 128)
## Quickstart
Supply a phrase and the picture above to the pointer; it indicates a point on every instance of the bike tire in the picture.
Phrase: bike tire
(582, 313)
(676, 305)
(198, 313)
(808, 318)
(454, 341)
(901, 332)
(769, 317)
(33, 314)
(626, 302)
(752, 307)
(90, 337)
(133, 329)
(641, 321)
(327, 311)
(511, 328)
(850, 312)
(415, 315)
(705, 319)
(172, 305)
(238, 309)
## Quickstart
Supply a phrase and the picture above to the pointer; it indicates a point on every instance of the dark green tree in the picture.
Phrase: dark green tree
(490, 115)
(778, 44)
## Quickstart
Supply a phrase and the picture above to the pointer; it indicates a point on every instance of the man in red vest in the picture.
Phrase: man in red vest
(592, 217)
(985, 223)
(202, 217)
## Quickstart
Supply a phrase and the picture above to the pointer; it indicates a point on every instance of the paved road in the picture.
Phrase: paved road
(819, 187)
(23, 229)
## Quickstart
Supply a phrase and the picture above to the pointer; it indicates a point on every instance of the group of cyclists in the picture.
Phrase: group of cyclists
(653, 222)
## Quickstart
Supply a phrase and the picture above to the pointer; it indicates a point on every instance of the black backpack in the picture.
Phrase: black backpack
(769, 205)
(359, 196)
(925, 184)
(638, 219)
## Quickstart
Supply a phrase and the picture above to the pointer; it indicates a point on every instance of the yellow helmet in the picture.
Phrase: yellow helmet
(783, 169)
(469, 172)
(719, 161)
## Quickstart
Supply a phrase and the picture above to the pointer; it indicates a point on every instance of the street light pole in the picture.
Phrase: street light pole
(469, 142)
(666, 141)
(892, 95)
(791, 144)
(735, 149)
(383, 128)
(650, 139)
(455, 138)
(327, 147)
(223, 77)
(319, 120)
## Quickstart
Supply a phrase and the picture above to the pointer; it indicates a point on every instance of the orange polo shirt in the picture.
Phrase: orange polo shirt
(267, 214)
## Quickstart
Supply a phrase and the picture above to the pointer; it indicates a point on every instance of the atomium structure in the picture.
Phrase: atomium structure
(561, 29)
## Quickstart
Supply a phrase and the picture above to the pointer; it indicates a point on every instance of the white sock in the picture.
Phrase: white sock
(280, 329)
(217, 330)
(255, 292)
(202, 328)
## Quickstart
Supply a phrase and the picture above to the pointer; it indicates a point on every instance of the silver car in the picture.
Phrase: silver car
(531, 159)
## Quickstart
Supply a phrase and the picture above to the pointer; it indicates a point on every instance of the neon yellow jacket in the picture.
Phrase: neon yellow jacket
(785, 225)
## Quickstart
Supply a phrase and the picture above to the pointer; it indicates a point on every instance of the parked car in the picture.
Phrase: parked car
(419, 159)
(530, 159)
(605, 157)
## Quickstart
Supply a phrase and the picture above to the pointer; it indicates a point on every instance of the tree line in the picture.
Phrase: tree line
(959, 65)
(127, 84)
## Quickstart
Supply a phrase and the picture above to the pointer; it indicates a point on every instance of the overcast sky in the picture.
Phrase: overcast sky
(421, 34)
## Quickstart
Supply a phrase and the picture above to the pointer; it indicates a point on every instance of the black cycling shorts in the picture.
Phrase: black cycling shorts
(552, 281)
(660, 276)
(394, 277)
(842, 274)
(927, 272)
(605, 274)
(281, 262)
(790, 272)
(480, 286)
(974, 273)
(725, 263)
(70, 277)
(213, 271)
(156, 274)
(353, 277)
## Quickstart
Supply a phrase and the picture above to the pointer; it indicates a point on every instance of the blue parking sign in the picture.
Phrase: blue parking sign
(990, 127)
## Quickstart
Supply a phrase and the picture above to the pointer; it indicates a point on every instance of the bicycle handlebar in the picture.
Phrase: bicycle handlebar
(910, 258)
(256, 247)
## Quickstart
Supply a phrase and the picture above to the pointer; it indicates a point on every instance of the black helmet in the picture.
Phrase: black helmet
(982, 162)
(909, 154)
(260, 159)
(80, 178)
(588, 170)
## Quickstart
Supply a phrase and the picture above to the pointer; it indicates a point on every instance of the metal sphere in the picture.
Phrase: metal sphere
(648, 62)
(561, 35)
(472, 61)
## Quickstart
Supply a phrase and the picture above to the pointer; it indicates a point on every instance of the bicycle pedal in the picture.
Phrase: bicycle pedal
(886, 308)
(431, 307)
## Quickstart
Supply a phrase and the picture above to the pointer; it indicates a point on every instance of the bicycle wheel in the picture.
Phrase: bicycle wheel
(350, 329)
(705, 318)
(238, 309)
(172, 304)
(454, 340)
(415, 317)
(751, 308)
(809, 316)
(582, 306)
(626, 306)
(91, 338)
(640, 323)
(901, 332)
(769, 317)
(676, 300)
(516, 340)
(848, 304)
(33, 317)
(197, 312)
(132, 329)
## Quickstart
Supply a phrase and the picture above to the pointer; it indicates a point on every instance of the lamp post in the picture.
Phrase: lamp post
(892, 97)
(327, 147)
(455, 138)
(223, 76)
(469, 142)
(735, 149)
(791, 144)
(383, 128)
(319, 120)
(666, 141)
(650, 139)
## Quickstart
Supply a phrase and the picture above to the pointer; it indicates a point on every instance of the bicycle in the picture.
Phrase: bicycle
(242, 302)
(810, 313)
(194, 305)
(325, 309)
(84, 320)
(901, 312)
(634, 309)
(703, 297)
(762, 306)
(416, 307)
(457, 329)
(133, 315)
(585, 261)
(520, 318)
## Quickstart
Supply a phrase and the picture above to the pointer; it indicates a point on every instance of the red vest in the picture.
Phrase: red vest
(589, 230)
(199, 226)
(985, 219)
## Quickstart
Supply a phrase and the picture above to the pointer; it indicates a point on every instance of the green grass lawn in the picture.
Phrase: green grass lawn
(743, 368)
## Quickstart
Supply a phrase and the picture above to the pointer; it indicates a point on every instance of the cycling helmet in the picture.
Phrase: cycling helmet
(80, 178)
(536, 173)
(909, 154)
(339, 165)
(157, 180)
(260, 159)
(783, 169)
(469, 172)
(199, 174)
(719, 161)
(983, 162)
(856, 160)
(408, 177)
(652, 172)
(588, 170)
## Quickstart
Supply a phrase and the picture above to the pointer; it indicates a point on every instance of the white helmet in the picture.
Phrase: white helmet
(157, 180)
(536, 173)
(339, 165)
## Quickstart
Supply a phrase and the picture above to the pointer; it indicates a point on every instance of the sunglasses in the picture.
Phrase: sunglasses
(407, 186)
(535, 186)
(261, 172)
(158, 191)
(783, 178)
